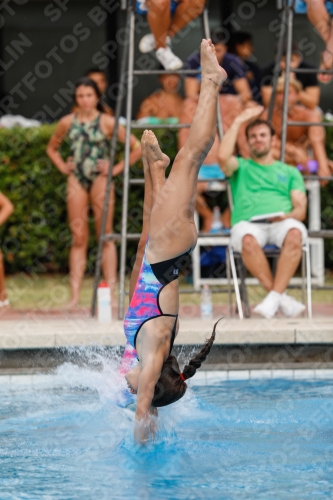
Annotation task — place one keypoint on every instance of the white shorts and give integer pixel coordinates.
(265, 234)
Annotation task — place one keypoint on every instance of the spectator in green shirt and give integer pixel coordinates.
(262, 186)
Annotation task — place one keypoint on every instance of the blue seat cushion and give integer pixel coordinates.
(214, 256)
(300, 6)
(271, 248)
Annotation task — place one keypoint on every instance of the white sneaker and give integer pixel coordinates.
(147, 43)
(269, 306)
(168, 59)
(290, 307)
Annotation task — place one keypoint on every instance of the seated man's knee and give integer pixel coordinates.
(249, 243)
(294, 238)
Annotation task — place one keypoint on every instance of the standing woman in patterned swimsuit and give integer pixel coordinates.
(89, 131)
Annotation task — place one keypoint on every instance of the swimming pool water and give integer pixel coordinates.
(66, 438)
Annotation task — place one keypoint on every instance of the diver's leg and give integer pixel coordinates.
(150, 194)
(147, 205)
(172, 230)
(129, 358)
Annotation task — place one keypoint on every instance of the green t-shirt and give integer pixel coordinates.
(262, 189)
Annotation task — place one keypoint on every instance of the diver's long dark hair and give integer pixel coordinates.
(87, 82)
(171, 385)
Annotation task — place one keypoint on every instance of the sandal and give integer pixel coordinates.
(326, 78)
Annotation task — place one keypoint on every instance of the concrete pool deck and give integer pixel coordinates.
(38, 331)
(38, 341)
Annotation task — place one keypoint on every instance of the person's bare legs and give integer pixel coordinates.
(186, 11)
(172, 229)
(109, 254)
(319, 17)
(290, 257)
(77, 208)
(159, 20)
(3, 294)
(256, 262)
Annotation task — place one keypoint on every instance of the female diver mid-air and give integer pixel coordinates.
(168, 234)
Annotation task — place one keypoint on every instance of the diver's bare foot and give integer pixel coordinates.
(209, 64)
(153, 151)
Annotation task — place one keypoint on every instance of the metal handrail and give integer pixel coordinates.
(142, 126)
(318, 177)
(289, 19)
(276, 70)
(167, 72)
(175, 126)
(322, 233)
(312, 124)
(129, 101)
(118, 236)
(142, 181)
(311, 70)
(313, 177)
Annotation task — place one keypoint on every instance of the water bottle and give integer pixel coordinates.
(206, 303)
(217, 226)
(104, 303)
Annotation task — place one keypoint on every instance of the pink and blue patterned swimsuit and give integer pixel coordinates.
(145, 305)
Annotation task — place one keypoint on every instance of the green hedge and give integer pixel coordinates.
(37, 236)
